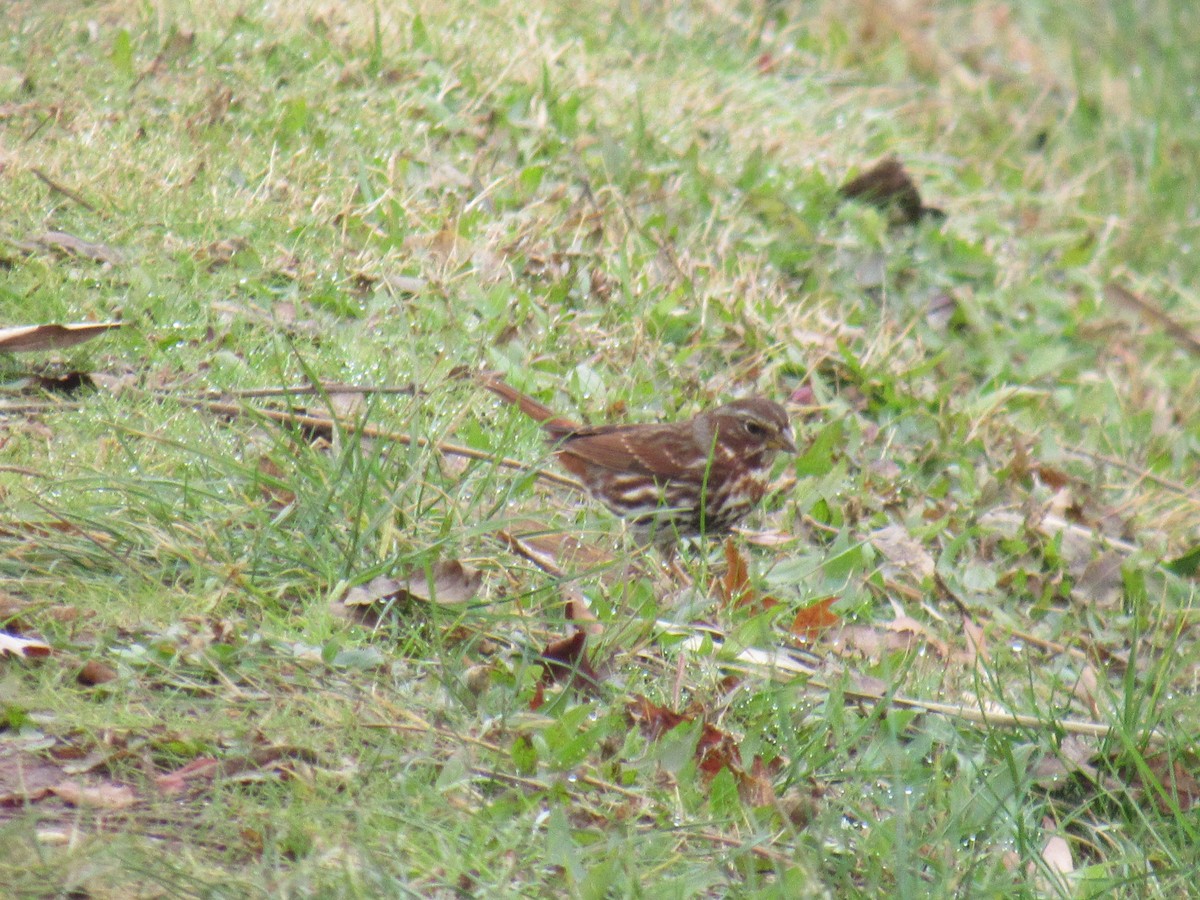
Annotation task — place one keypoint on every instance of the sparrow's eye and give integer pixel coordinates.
(754, 429)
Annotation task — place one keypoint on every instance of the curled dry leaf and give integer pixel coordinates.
(566, 662)
(100, 796)
(201, 769)
(19, 646)
(22, 338)
(447, 582)
(64, 244)
(578, 611)
(555, 552)
(903, 552)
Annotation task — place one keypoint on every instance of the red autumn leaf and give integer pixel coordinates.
(653, 720)
(538, 698)
(734, 585)
(815, 618)
(717, 750)
(734, 589)
(566, 663)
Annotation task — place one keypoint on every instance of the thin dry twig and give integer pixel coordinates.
(62, 189)
(1121, 296)
(781, 665)
(1141, 473)
(327, 426)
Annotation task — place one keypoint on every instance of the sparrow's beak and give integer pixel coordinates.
(783, 441)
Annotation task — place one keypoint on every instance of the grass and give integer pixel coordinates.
(631, 211)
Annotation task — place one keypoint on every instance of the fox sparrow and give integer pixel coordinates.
(679, 479)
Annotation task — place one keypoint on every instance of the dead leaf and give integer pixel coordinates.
(201, 769)
(814, 618)
(18, 646)
(50, 337)
(1175, 780)
(1056, 854)
(272, 484)
(1074, 757)
(100, 796)
(95, 672)
(734, 588)
(976, 648)
(579, 612)
(556, 552)
(25, 777)
(653, 720)
(447, 582)
(64, 244)
(715, 749)
(887, 186)
(221, 253)
(904, 625)
(757, 787)
(903, 552)
(566, 663)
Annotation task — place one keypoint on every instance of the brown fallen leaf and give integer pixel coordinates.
(100, 796)
(734, 589)
(272, 484)
(566, 663)
(907, 625)
(976, 648)
(557, 553)
(653, 719)
(94, 672)
(716, 749)
(446, 582)
(887, 186)
(175, 782)
(577, 610)
(814, 618)
(19, 646)
(903, 552)
(21, 338)
(871, 642)
(25, 777)
(221, 253)
(1056, 854)
(64, 244)
(1176, 781)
